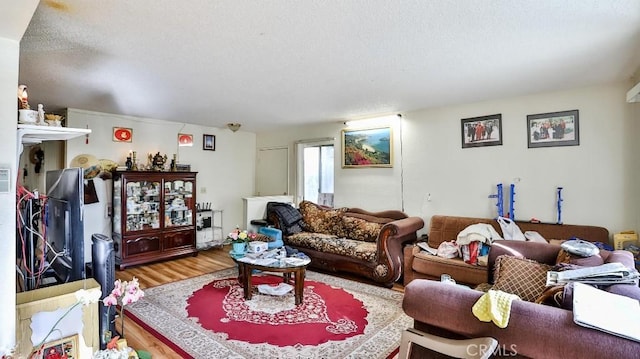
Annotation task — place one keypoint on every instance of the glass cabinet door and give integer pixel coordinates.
(143, 205)
(178, 198)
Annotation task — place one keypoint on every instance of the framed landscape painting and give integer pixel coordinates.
(553, 129)
(371, 147)
(482, 131)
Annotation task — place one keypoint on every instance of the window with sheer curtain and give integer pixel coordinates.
(318, 173)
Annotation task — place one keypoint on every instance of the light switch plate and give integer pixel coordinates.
(5, 180)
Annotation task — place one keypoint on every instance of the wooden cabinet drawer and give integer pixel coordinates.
(141, 245)
(178, 239)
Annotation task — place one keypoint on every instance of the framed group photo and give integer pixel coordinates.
(482, 131)
(371, 147)
(553, 129)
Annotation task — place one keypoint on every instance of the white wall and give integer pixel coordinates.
(14, 18)
(225, 175)
(598, 176)
(634, 115)
(8, 105)
(373, 189)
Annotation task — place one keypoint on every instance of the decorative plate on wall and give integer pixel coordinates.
(185, 139)
(122, 134)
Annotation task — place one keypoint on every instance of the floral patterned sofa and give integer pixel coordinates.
(350, 240)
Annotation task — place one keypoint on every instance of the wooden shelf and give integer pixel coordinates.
(32, 134)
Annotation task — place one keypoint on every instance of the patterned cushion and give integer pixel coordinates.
(359, 229)
(319, 219)
(332, 244)
(522, 277)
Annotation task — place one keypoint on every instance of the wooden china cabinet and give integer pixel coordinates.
(153, 216)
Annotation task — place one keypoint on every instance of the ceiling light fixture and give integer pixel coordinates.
(234, 126)
(374, 121)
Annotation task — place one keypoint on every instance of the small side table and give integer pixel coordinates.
(287, 266)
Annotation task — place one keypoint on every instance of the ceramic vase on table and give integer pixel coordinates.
(239, 247)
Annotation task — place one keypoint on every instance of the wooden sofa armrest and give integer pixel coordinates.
(403, 227)
(393, 236)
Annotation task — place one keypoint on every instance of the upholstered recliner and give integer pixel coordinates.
(534, 330)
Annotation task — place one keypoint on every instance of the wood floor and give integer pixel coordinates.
(155, 274)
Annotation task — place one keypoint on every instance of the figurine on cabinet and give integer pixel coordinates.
(158, 162)
(174, 164)
(23, 98)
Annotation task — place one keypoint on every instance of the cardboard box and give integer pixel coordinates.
(48, 299)
(258, 246)
(622, 240)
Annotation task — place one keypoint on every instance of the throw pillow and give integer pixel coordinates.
(520, 276)
(319, 219)
(359, 229)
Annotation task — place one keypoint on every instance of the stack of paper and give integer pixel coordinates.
(606, 274)
(425, 247)
(608, 312)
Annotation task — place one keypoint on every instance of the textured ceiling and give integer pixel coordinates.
(267, 64)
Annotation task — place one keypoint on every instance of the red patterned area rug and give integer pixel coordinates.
(207, 317)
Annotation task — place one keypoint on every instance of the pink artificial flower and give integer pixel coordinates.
(110, 300)
(118, 288)
(134, 285)
(127, 299)
(133, 292)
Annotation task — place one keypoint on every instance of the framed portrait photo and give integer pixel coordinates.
(482, 131)
(371, 147)
(209, 142)
(553, 129)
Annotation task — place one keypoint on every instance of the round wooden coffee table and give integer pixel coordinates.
(286, 266)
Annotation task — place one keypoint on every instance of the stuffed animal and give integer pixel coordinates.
(23, 98)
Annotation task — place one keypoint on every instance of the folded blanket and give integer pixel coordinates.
(481, 232)
(495, 306)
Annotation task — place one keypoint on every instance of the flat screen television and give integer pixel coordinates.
(64, 222)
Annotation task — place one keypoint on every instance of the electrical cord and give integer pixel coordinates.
(28, 227)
